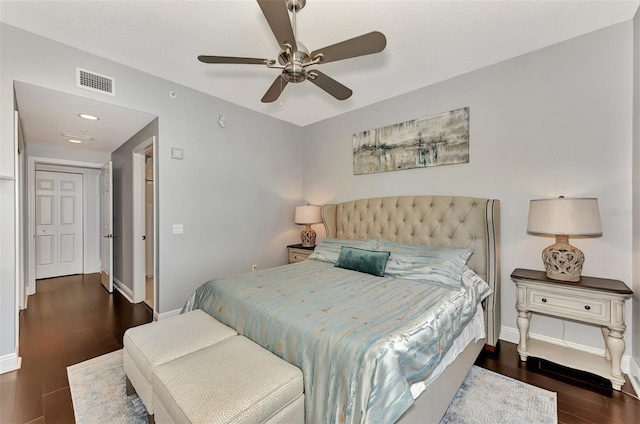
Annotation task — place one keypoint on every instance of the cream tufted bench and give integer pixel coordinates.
(149, 346)
(233, 381)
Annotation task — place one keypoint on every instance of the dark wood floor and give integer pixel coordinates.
(575, 404)
(68, 320)
(72, 319)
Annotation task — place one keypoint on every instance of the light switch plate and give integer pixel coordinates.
(176, 153)
(178, 229)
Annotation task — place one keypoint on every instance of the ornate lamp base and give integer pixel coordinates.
(563, 261)
(308, 237)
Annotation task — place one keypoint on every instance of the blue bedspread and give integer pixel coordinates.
(360, 340)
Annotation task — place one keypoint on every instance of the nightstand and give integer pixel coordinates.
(298, 253)
(591, 300)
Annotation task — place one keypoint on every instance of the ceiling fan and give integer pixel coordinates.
(294, 58)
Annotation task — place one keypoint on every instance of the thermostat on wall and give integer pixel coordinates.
(176, 153)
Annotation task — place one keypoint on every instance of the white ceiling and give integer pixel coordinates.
(46, 114)
(427, 41)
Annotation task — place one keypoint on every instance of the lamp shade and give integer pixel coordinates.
(571, 217)
(308, 214)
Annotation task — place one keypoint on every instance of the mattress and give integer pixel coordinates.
(472, 332)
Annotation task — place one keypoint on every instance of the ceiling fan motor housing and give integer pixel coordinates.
(294, 63)
(294, 72)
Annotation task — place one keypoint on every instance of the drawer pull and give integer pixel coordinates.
(587, 307)
(544, 300)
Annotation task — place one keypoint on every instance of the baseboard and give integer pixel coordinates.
(634, 375)
(10, 362)
(158, 317)
(124, 290)
(512, 335)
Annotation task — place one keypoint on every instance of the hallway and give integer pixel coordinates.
(69, 320)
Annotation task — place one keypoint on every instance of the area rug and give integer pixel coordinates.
(488, 397)
(99, 392)
(99, 396)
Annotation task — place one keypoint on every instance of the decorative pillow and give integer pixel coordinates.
(369, 261)
(328, 249)
(440, 265)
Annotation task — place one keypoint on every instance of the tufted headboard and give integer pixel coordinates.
(447, 221)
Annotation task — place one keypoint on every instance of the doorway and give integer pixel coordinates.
(39, 207)
(148, 234)
(145, 276)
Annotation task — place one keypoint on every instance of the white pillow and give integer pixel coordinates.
(328, 250)
(440, 265)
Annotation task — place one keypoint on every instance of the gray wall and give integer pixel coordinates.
(557, 121)
(636, 193)
(235, 190)
(8, 230)
(122, 204)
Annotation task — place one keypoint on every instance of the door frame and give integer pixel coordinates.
(21, 297)
(139, 211)
(31, 210)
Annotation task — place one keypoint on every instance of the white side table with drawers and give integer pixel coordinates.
(591, 300)
(298, 253)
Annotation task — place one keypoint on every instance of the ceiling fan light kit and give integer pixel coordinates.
(294, 57)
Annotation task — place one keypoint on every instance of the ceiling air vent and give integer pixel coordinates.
(95, 82)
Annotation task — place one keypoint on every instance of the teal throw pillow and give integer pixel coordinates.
(369, 261)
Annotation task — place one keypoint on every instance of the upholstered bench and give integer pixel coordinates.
(234, 381)
(151, 345)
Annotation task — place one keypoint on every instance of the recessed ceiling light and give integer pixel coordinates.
(71, 140)
(89, 117)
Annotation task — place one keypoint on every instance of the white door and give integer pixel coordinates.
(70, 248)
(59, 247)
(106, 223)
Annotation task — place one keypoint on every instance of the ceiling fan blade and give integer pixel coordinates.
(277, 15)
(329, 85)
(230, 59)
(275, 90)
(373, 42)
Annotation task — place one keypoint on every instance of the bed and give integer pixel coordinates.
(367, 345)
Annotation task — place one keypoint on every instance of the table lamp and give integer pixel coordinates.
(563, 218)
(308, 215)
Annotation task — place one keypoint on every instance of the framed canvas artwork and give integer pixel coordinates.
(441, 139)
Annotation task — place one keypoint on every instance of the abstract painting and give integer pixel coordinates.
(441, 139)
